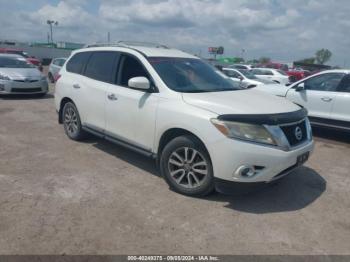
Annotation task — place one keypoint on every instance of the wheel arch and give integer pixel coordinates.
(64, 101)
(172, 133)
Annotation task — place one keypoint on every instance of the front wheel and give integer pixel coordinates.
(71, 122)
(186, 167)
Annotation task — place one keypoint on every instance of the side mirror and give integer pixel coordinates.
(300, 87)
(241, 78)
(139, 82)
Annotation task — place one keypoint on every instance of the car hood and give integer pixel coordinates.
(19, 73)
(248, 101)
(275, 89)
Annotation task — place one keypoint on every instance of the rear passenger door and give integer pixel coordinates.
(99, 75)
(341, 107)
(131, 113)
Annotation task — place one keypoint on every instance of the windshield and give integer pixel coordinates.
(10, 62)
(189, 75)
(248, 74)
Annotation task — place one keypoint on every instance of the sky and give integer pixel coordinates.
(285, 30)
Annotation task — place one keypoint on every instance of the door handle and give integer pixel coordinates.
(112, 97)
(326, 99)
(76, 86)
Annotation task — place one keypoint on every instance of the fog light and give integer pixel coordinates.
(246, 171)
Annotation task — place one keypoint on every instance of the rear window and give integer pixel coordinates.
(101, 66)
(77, 62)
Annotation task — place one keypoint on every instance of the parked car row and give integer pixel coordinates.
(207, 129)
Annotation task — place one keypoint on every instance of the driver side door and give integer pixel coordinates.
(317, 94)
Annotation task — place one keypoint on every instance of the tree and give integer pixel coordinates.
(265, 60)
(322, 56)
(310, 60)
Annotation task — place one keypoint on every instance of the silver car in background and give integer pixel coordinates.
(55, 67)
(17, 76)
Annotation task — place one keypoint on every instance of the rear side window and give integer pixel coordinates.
(345, 84)
(102, 66)
(61, 62)
(77, 63)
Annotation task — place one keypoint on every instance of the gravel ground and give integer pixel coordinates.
(63, 197)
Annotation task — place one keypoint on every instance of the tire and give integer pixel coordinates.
(51, 78)
(71, 122)
(191, 176)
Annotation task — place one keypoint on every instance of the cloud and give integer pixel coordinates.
(284, 30)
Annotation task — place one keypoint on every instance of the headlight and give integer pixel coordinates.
(43, 78)
(243, 131)
(4, 77)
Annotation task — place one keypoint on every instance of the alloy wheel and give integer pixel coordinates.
(187, 167)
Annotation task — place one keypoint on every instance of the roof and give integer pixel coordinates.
(155, 50)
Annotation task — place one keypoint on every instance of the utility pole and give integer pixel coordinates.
(51, 23)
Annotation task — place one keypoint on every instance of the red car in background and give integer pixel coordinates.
(294, 74)
(31, 60)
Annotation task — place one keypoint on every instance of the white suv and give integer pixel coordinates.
(205, 132)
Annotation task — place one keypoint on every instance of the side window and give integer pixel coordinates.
(256, 72)
(77, 63)
(101, 66)
(130, 67)
(325, 82)
(268, 73)
(345, 84)
(231, 73)
(61, 62)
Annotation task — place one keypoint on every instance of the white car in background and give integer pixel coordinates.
(245, 78)
(325, 95)
(55, 67)
(241, 66)
(274, 75)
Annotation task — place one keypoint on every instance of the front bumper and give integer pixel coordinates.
(228, 155)
(18, 87)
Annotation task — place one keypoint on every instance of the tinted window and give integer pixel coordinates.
(101, 66)
(325, 82)
(248, 74)
(55, 62)
(189, 75)
(61, 62)
(77, 63)
(131, 67)
(345, 84)
(231, 73)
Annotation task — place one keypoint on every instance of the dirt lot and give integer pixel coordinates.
(58, 196)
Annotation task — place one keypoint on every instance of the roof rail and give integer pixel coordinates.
(127, 44)
(144, 44)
